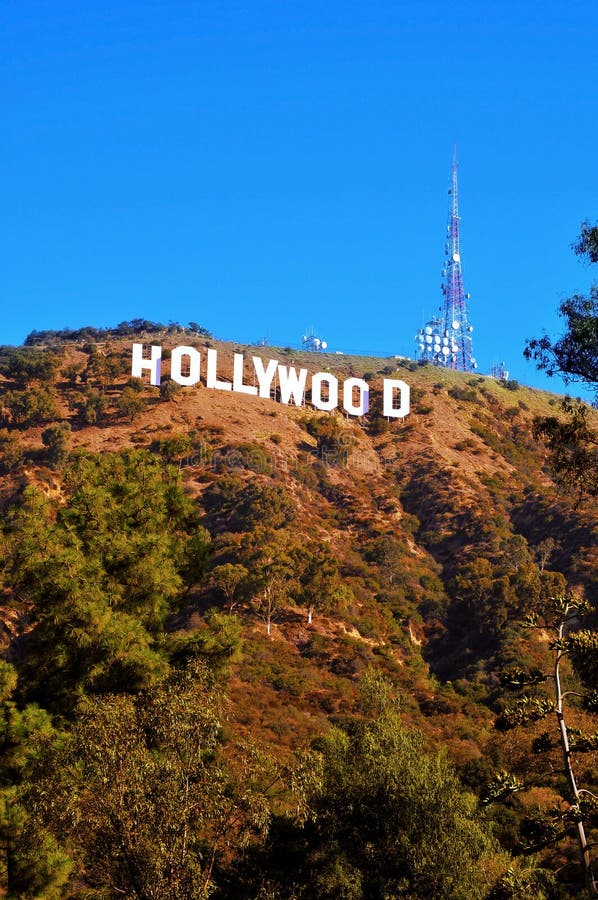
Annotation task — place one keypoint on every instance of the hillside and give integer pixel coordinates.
(331, 547)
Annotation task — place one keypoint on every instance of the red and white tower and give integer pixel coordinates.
(446, 339)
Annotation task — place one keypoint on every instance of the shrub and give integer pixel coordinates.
(253, 457)
(130, 403)
(169, 389)
(263, 504)
(30, 407)
(249, 504)
(56, 438)
(335, 442)
(467, 394)
(305, 475)
(136, 384)
(174, 448)
(71, 373)
(25, 365)
(90, 406)
(11, 451)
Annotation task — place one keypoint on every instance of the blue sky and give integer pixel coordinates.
(267, 167)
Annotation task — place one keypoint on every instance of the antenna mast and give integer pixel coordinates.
(446, 339)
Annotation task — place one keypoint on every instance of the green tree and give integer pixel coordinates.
(272, 572)
(250, 504)
(145, 792)
(103, 367)
(575, 354)
(385, 819)
(544, 550)
(230, 579)
(102, 573)
(11, 451)
(573, 443)
(56, 439)
(317, 573)
(387, 552)
(587, 242)
(71, 373)
(573, 448)
(220, 498)
(32, 862)
(260, 504)
(555, 616)
(130, 403)
(217, 641)
(34, 406)
(199, 330)
(91, 405)
(176, 447)
(28, 366)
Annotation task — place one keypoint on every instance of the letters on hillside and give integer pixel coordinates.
(272, 379)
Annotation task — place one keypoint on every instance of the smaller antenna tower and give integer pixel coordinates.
(446, 339)
(499, 372)
(312, 343)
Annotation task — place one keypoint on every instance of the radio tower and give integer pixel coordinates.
(446, 339)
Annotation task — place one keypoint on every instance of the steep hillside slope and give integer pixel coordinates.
(334, 543)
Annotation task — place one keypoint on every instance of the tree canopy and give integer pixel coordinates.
(575, 354)
(573, 443)
(103, 573)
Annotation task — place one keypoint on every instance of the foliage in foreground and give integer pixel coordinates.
(573, 443)
(386, 819)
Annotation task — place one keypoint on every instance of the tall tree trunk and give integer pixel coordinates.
(584, 848)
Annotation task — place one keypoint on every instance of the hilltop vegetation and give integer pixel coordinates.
(254, 650)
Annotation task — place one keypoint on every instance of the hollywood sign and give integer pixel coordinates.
(288, 383)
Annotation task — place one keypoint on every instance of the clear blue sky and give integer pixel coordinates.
(265, 167)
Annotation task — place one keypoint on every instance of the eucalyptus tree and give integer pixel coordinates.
(563, 739)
